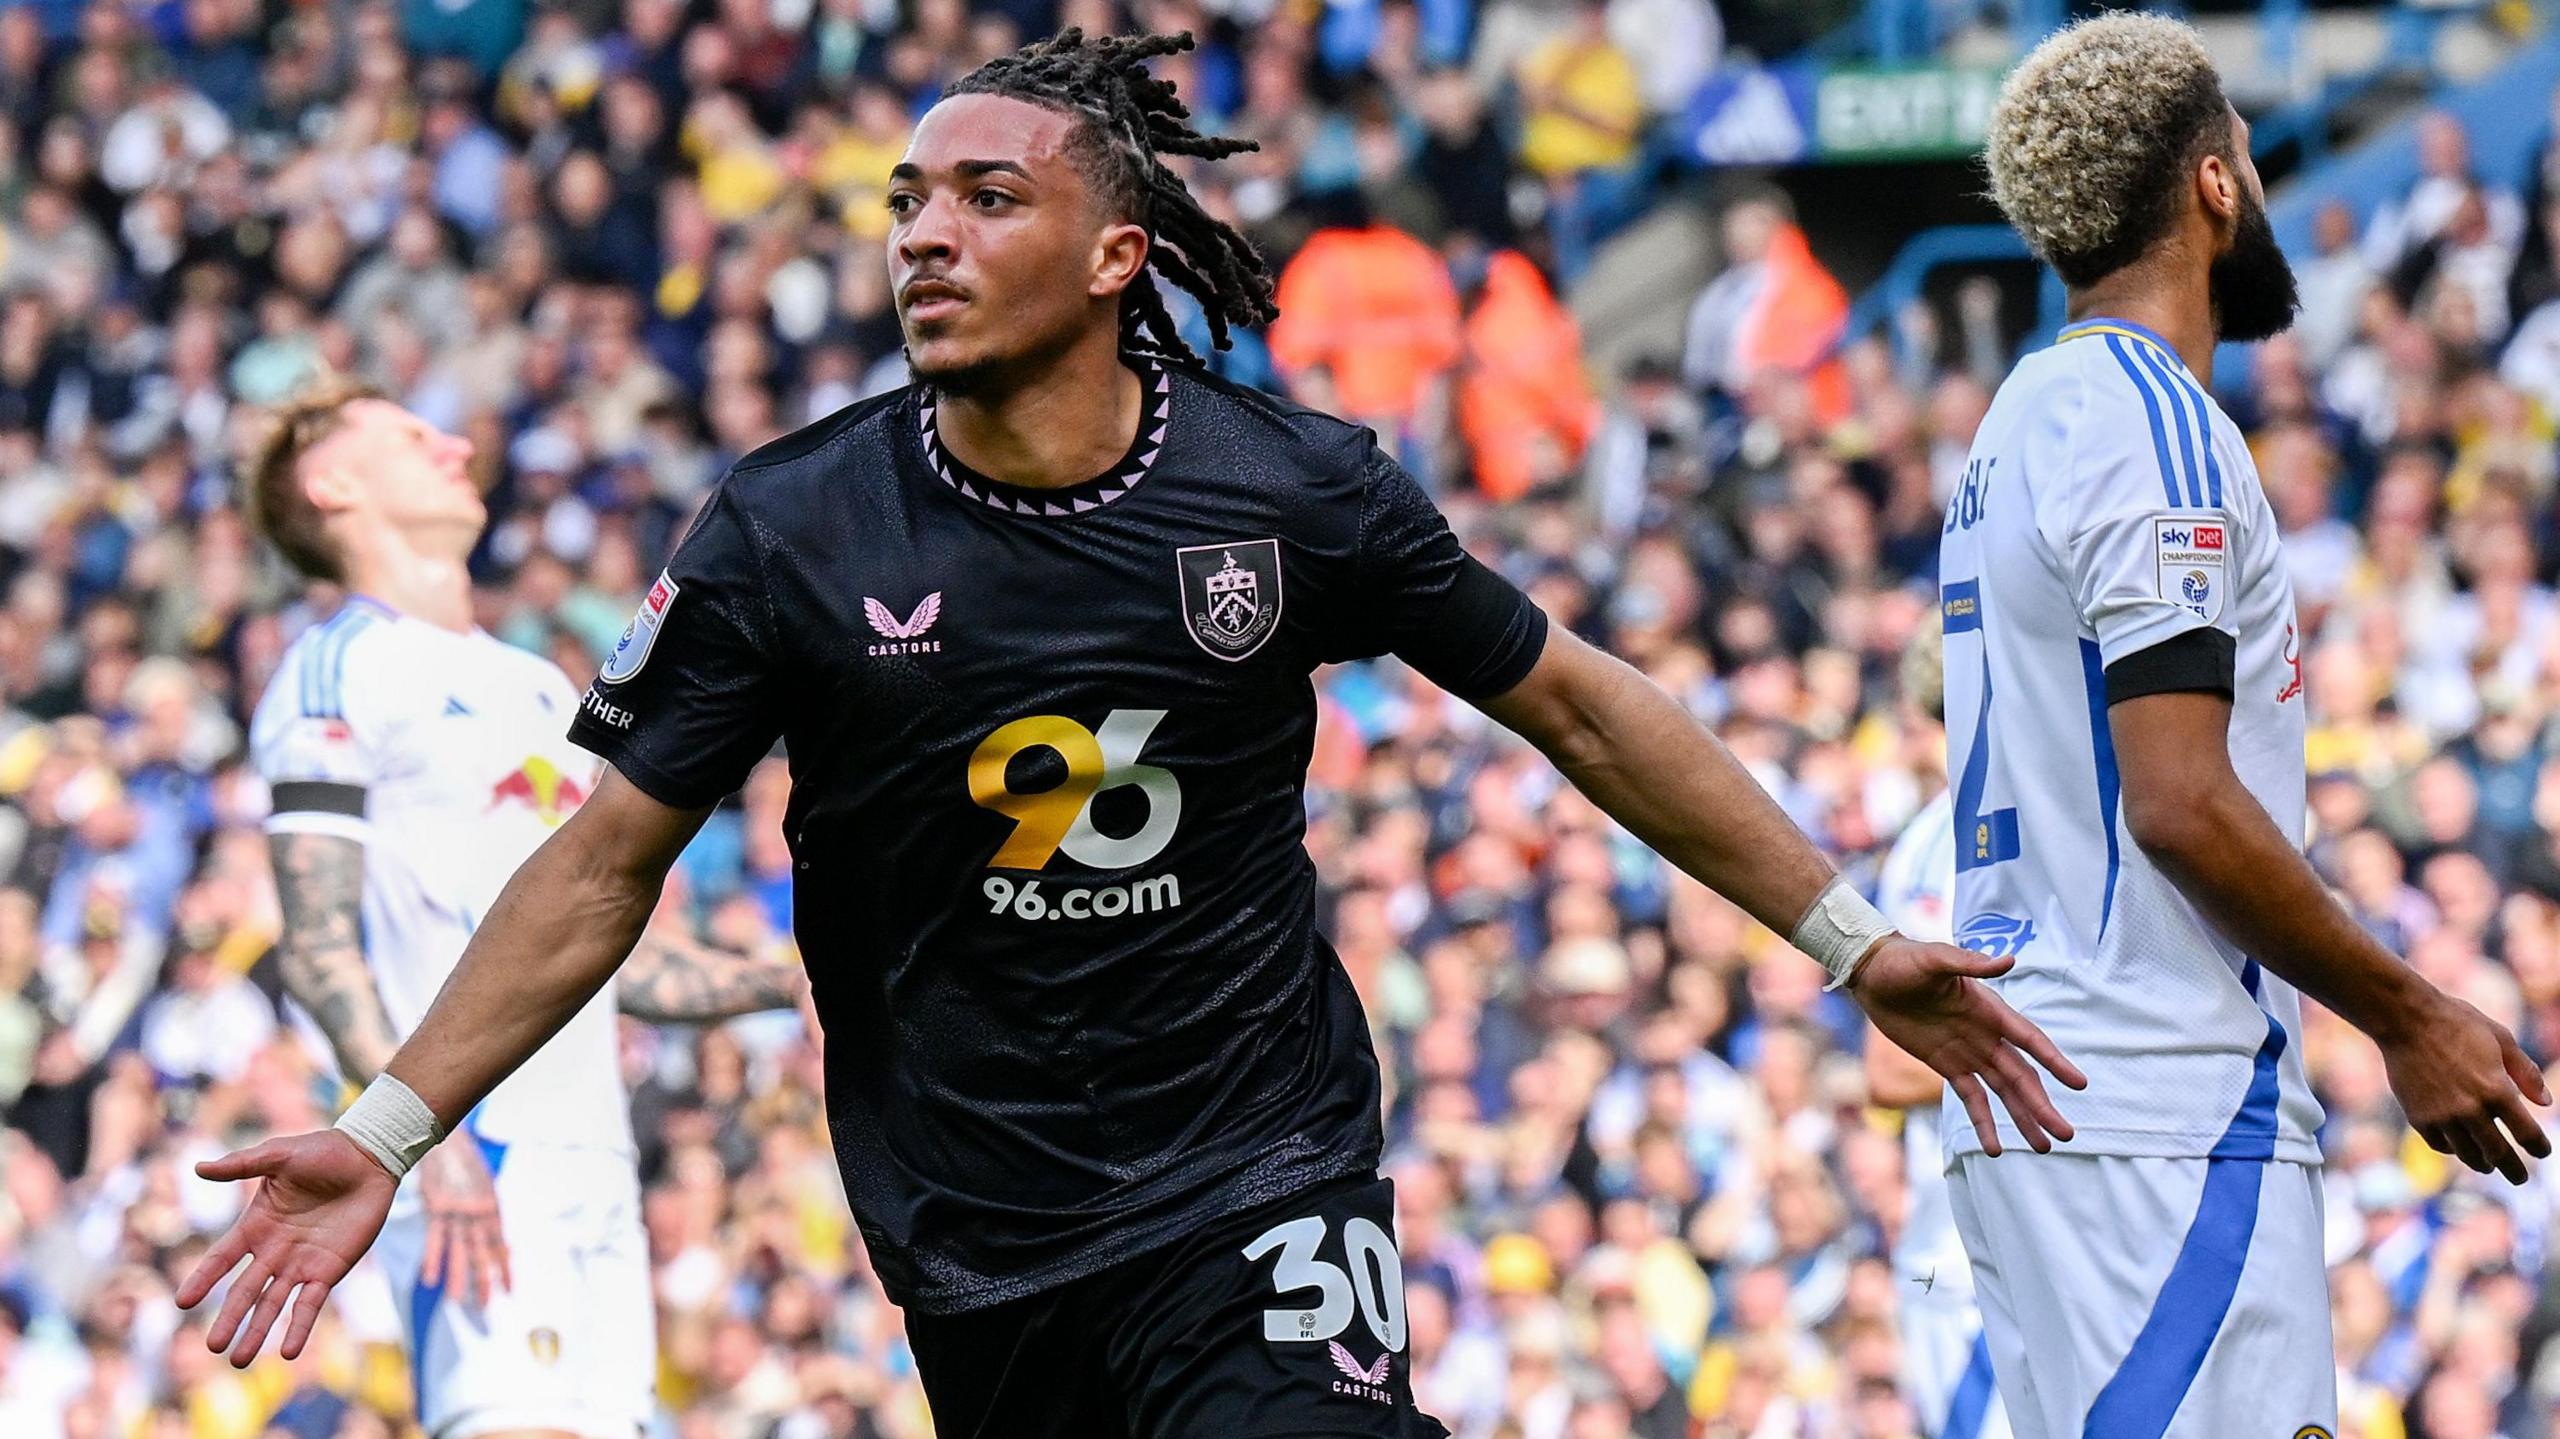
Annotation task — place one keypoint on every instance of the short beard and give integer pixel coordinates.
(988, 375)
(2251, 283)
(976, 377)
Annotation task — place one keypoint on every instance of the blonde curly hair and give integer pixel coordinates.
(2093, 135)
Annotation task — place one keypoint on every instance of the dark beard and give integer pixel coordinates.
(974, 378)
(2251, 283)
(990, 374)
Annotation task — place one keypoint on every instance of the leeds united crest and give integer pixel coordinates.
(1230, 595)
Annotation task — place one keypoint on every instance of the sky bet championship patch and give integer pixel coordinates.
(2193, 574)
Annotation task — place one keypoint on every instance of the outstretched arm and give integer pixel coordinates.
(320, 887)
(1641, 757)
(2457, 1072)
(552, 940)
(1663, 775)
(672, 978)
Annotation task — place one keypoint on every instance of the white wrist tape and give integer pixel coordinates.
(1839, 931)
(391, 1123)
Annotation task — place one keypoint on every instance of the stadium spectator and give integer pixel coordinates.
(1773, 311)
(1369, 318)
(2333, 282)
(2445, 183)
(1582, 132)
(1524, 409)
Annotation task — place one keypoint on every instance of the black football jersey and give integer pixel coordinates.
(1048, 750)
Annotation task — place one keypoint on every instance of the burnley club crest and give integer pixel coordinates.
(1230, 595)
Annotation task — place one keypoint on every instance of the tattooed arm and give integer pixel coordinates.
(320, 882)
(671, 979)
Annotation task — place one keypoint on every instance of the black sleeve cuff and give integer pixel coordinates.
(313, 796)
(1485, 639)
(2199, 661)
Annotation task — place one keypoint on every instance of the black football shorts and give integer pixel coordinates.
(1281, 1322)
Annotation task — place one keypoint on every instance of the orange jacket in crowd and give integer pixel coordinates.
(1523, 383)
(1376, 308)
(1796, 322)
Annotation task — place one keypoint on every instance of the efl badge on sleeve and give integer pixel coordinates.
(1230, 595)
(632, 650)
(2194, 572)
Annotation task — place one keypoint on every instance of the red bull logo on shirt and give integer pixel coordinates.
(538, 785)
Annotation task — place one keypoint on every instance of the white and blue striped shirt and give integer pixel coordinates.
(2108, 506)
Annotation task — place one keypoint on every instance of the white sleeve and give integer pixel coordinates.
(317, 738)
(1918, 877)
(2147, 533)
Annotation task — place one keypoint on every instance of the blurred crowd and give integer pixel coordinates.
(1641, 1189)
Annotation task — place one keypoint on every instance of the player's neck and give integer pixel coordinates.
(2180, 314)
(430, 587)
(1062, 426)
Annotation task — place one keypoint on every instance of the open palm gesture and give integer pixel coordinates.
(323, 1202)
(1930, 999)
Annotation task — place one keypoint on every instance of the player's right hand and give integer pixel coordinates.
(2458, 1073)
(323, 1202)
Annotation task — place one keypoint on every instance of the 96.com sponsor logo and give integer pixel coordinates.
(1059, 819)
(1029, 900)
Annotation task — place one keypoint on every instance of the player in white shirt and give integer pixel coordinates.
(413, 762)
(2125, 726)
(1946, 1358)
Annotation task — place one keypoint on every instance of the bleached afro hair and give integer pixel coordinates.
(2095, 134)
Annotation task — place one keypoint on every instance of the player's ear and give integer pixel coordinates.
(328, 483)
(2218, 180)
(1119, 252)
(2218, 192)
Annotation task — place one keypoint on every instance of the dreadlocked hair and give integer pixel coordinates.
(1130, 119)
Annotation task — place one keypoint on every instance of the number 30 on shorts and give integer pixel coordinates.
(1374, 1285)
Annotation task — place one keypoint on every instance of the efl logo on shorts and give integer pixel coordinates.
(2313, 1431)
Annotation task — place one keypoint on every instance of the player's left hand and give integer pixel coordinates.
(465, 1250)
(2459, 1075)
(1930, 999)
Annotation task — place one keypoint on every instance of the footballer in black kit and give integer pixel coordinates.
(1048, 753)
(1036, 635)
